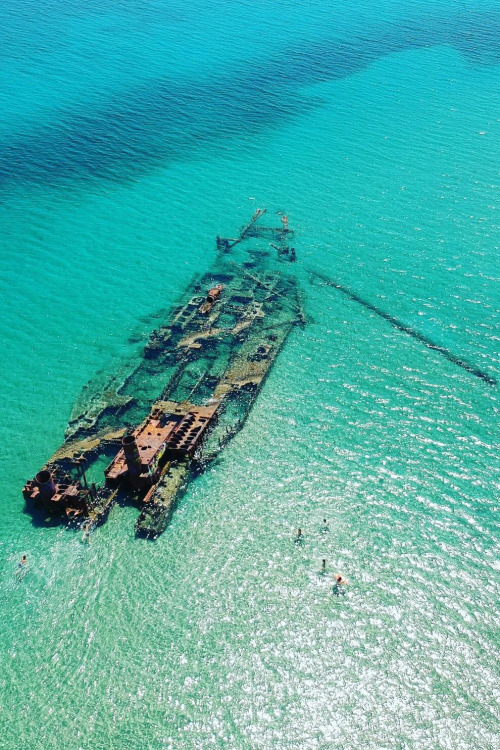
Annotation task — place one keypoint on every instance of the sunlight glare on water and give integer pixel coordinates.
(131, 136)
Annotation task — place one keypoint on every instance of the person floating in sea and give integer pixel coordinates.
(325, 526)
(300, 537)
(22, 567)
(323, 567)
(338, 582)
(86, 533)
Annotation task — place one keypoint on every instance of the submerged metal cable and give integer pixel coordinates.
(400, 326)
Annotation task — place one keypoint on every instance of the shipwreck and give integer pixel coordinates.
(143, 437)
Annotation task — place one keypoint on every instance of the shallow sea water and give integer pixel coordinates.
(132, 135)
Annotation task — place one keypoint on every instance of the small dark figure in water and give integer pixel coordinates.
(325, 526)
(300, 537)
(86, 533)
(323, 567)
(337, 585)
(22, 562)
(292, 255)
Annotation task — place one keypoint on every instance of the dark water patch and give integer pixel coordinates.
(400, 326)
(164, 122)
(167, 121)
(157, 315)
(137, 338)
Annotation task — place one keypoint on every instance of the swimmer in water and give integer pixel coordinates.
(326, 526)
(323, 567)
(22, 562)
(86, 533)
(337, 585)
(300, 537)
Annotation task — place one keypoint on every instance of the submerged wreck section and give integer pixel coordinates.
(141, 438)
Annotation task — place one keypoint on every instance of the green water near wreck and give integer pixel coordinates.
(222, 633)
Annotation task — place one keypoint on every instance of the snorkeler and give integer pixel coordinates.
(300, 537)
(323, 567)
(325, 526)
(337, 585)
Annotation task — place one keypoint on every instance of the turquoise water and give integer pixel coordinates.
(131, 135)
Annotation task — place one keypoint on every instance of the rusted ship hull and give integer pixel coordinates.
(172, 413)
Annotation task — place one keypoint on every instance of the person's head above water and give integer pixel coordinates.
(338, 577)
(299, 532)
(23, 557)
(324, 520)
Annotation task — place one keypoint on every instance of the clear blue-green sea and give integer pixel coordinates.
(131, 134)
